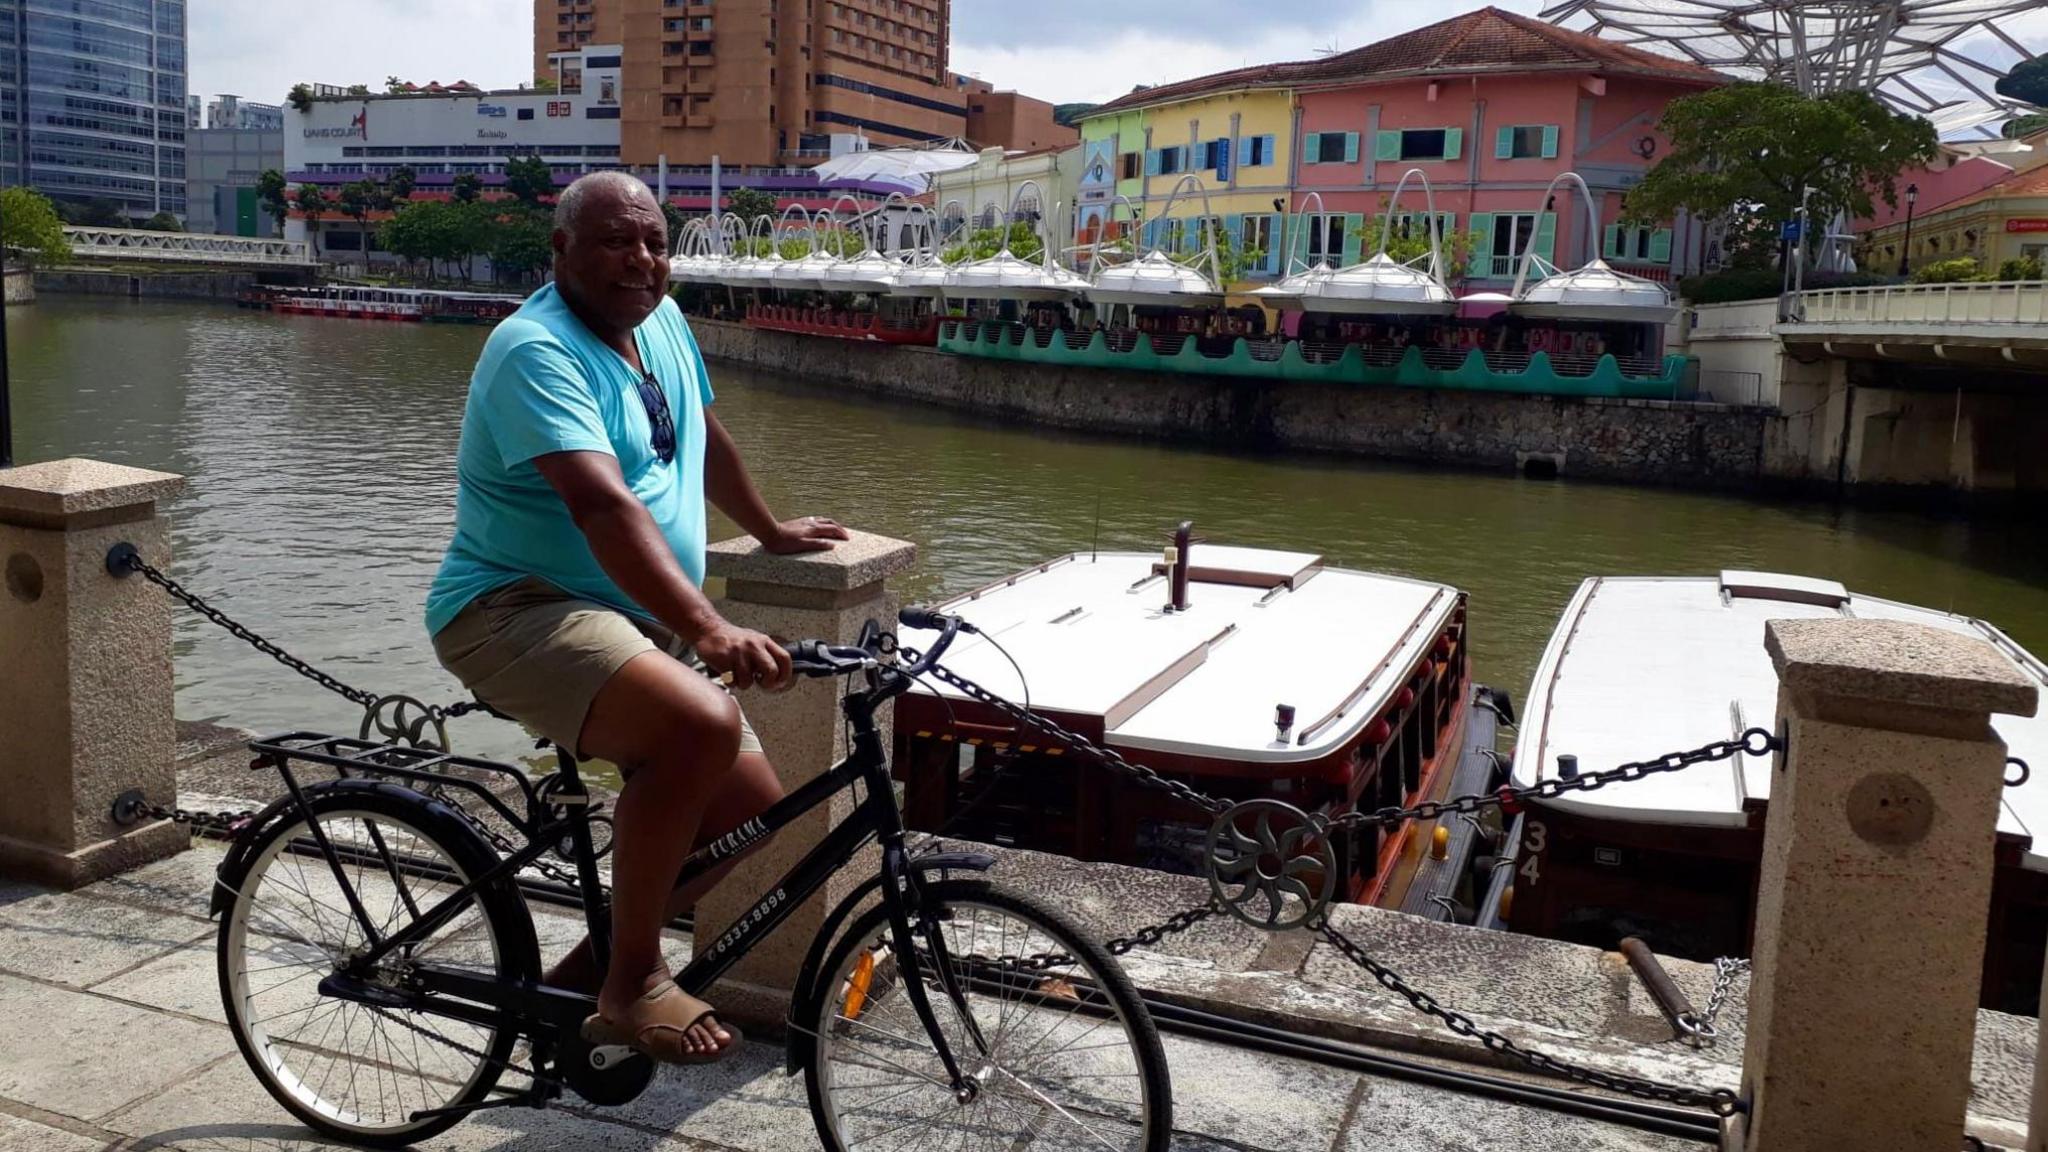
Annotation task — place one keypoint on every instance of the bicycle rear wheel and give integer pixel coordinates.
(1068, 1058)
(354, 1070)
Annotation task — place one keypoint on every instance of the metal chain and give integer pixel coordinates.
(1755, 742)
(222, 822)
(466, 1050)
(1722, 1101)
(1143, 938)
(1698, 1027)
(126, 558)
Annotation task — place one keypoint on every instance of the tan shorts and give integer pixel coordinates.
(540, 655)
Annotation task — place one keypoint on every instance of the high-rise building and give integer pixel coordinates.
(228, 111)
(92, 101)
(763, 82)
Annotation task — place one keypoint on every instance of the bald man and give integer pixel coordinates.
(570, 597)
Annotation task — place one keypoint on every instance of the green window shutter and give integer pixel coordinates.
(1482, 245)
(1151, 161)
(1312, 148)
(1351, 147)
(1660, 246)
(1610, 243)
(1245, 144)
(1550, 141)
(1546, 236)
(1354, 238)
(1266, 152)
(1386, 146)
(1504, 142)
(1454, 142)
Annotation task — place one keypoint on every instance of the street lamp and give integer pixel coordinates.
(1906, 249)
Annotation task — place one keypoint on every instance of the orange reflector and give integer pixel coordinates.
(924, 735)
(857, 986)
(1507, 902)
(1440, 843)
(1027, 747)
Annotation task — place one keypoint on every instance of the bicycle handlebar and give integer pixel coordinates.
(815, 658)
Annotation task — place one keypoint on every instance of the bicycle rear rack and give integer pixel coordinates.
(349, 754)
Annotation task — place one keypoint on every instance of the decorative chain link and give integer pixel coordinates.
(223, 822)
(1144, 937)
(1721, 1101)
(1698, 1027)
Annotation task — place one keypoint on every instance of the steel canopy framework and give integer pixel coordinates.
(1934, 58)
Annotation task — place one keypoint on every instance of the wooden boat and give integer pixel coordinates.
(411, 305)
(1643, 666)
(1245, 672)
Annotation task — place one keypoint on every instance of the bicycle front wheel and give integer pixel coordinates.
(1060, 1051)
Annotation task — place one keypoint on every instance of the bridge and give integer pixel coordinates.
(136, 244)
(2002, 325)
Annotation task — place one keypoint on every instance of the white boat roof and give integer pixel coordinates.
(1640, 666)
(1262, 628)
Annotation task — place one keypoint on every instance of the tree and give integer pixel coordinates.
(394, 86)
(398, 188)
(313, 203)
(300, 97)
(2023, 126)
(409, 234)
(359, 89)
(983, 243)
(748, 203)
(2027, 81)
(1411, 244)
(545, 84)
(529, 178)
(29, 222)
(468, 187)
(270, 188)
(475, 225)
(522, 243)
(1747, 152)
(162, 222)
(358, 199)
(98, 212)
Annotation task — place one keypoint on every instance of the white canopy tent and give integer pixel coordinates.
(911, 168)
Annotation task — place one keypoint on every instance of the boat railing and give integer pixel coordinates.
(1323, 351)
(1120, 339)
(1382, 355)
(1267, 351)
(1169, 343)
(1042, 337)
(1443, 359)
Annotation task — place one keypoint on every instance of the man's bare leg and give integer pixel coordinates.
(679, 733)
(746, 792)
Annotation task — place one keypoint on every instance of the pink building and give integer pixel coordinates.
(1490, 106)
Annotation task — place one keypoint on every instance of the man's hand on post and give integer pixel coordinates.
(753, 659)
(804, 534)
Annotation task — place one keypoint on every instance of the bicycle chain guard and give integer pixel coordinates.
(1271, 852)
(607, 1075)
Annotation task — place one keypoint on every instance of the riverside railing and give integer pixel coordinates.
(2006, 302)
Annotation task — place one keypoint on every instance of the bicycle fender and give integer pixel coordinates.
(234, 867)
(807, 995)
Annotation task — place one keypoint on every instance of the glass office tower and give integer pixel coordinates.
(92, 101)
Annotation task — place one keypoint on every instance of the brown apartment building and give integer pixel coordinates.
(769, 82)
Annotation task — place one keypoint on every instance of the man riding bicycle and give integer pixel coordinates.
(570, 597)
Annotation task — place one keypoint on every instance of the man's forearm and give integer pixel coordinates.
(727, 485)
(632, 551)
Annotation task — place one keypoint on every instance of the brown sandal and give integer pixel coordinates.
(661, 1019)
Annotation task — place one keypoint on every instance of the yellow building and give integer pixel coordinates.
(1237, 142)
(2006, 221)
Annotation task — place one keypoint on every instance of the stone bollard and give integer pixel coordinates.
(815, 595)
(85, 682)
(1875, 885)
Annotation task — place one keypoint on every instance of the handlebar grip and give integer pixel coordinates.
(918, 616)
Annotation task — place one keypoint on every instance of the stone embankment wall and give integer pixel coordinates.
(17, 284)
(222, 286)
(1641, 441)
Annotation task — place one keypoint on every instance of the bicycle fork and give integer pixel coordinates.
(905, 890)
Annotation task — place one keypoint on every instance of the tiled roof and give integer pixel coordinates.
(1488, 40)
(2030, 183)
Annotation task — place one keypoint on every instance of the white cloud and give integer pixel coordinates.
(260, 48)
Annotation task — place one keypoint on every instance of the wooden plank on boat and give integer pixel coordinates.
(1250, 567)
(1167, 677)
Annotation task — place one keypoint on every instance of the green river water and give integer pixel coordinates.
(320, 457)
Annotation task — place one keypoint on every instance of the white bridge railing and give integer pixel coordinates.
(184, 247)
(2005, 302)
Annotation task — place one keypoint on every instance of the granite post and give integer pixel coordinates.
(814, 595)
(1875, 883)
(85, 680)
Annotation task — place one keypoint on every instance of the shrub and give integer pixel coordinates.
(1960, 270)
(1764, 284)
(2024, 268)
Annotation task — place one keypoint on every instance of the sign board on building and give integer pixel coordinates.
(496, 110)
(2027, 224)
(559, 108)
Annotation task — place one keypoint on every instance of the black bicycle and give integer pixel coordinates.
(379, 964)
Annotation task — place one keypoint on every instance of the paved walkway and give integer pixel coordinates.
(111, 1036)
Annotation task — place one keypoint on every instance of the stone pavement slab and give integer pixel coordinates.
(82, 1056)
(81, 940)
(19, 1135)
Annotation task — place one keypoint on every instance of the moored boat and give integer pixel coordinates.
(1640, 666)
(1245, 672)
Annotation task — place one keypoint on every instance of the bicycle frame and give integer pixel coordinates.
(489, 1002)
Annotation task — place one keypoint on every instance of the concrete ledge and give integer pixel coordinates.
(81, 866)
(59, 490)
(864, 560)
(1894, 662)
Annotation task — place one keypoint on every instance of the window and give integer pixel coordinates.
(1423, 144)
(1168, 161)
(600, 113)
(1216, 154)
(1416, 224)
(1131, 165)
(526, 114)
(1257, 236)
(1330, 148)
(1326, 238)
(1254, 151)
(1636, 244)
(1525, 142)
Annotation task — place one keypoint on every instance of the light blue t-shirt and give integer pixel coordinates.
(545, 384)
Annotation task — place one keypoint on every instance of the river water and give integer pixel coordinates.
(320, 457)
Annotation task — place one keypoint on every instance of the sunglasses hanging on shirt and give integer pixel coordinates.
(663, 437)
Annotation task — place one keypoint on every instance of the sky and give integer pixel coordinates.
(1057, 50)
